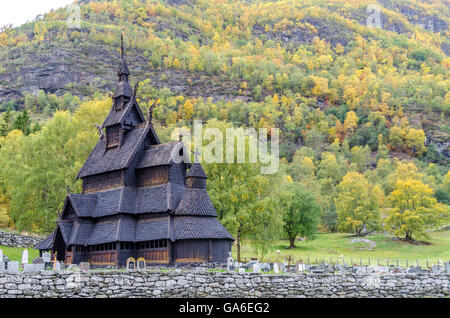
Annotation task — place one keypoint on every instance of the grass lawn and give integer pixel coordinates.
(326, 246)
(15, 253)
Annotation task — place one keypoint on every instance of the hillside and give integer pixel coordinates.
(231, 50)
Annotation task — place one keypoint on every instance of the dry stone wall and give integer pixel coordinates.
(17, 240)
(102, 284)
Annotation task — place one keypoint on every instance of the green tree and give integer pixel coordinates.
(23, 123)
(301, 213)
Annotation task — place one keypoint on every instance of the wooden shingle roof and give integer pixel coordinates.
(195, 227)
(47, 243)
(100, 160)
(196, 201)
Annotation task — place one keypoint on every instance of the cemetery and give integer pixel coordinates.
(47, 277)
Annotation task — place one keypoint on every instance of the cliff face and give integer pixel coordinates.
(82, 70)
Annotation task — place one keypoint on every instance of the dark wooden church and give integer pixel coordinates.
(139, 199)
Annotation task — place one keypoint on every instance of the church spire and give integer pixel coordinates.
(123, 91)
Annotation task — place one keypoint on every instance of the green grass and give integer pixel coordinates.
(326, 246)
(15, 253)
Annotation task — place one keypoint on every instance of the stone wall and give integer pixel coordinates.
(18, 240)
(148, 283)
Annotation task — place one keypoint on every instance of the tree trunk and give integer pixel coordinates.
(238, 246)
(408, 237)
(292, 241)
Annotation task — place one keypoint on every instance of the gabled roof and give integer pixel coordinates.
(47, 243)
(163, 154)
(100, 160)
(196, 201)
(194, 227)
(83, 204)
(123, 88)
(196, 171)
(66, 230)
(118, 116)
(80, 232)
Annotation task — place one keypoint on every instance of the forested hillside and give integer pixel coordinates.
(355, 104)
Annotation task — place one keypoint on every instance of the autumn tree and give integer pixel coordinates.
(357, 204)
(413, 209)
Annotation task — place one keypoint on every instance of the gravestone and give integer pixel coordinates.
(414, 270)
(447, 267)
(131, 264)
(33, 267)
(251, 264)
(436, 269)
(360, 270)
(275, 268)
(38, 260)
(230, 263)
(2, 266)
(24, 257)
(256, 268)
(47, 260)
(342, 270)
(46, 257)
(1, 255)
(73, 267)
(85, 266)
(317, 269)
(13, 266)
(300, 268)
(330, 268)
(241, 270)
(141, 264)
(283, 267)
(265, 267)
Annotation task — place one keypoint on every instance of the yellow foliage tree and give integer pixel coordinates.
(413, 209)
(357, 204)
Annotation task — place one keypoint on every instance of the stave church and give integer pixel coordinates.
(140, 198)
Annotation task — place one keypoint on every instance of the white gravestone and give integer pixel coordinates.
(275, 268)
(1, 255)
(230, 262)
(24, 257)
(57, 266)
(241, 270)
(256, 268)
(33, 267)
(46, 257)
